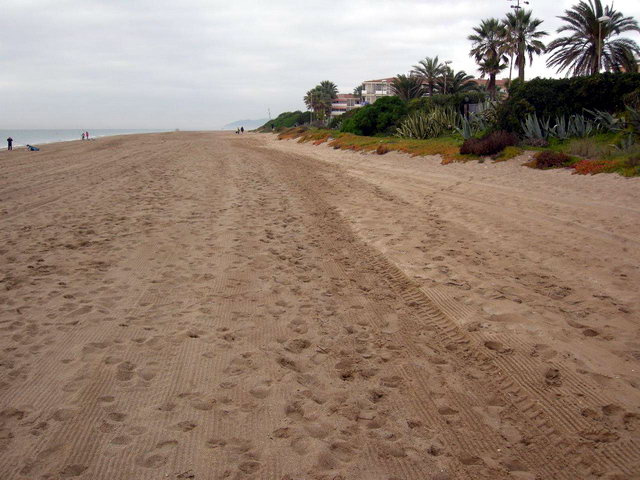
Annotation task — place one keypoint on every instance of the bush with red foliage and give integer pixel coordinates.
(591, 167)
(491, 144)
(550, 159)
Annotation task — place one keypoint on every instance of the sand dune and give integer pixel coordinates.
(215, 306)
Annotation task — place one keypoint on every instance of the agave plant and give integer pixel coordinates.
(471, 126)
(605, 121)
(533, 128)
(633, 120)
(625, 144)
(429, 124)
(561, 128)
(466, 130)
(580, 126)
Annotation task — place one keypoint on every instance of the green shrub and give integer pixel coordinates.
(336, 122)
(632, 100)
(383, 116)
(511, 112)
(550, 98)
(288, 120)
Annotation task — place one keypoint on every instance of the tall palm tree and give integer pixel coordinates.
(489, 49)
(313, 99)
(457, 82)
(407, 86)
(320, 98)
(329, 88)
(523, 38)
(590, 45)
(430, 69)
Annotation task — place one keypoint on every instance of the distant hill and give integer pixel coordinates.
(247, 124)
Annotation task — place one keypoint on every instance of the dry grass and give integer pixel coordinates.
(446, 147)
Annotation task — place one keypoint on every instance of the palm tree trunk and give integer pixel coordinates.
(521, 61)
(510, 67)
(492, 86)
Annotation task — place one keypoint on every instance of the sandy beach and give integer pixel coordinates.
(215, 306)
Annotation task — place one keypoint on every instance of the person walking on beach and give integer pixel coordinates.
(9, 143)
(241, 129)
(82, 135)
(86, 135)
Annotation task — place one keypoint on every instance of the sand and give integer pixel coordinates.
(215, 306)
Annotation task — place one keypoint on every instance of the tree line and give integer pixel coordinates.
(590, 43)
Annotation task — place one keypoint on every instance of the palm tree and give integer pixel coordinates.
(458, 82)
(329, 88)
(313, 100)
(358, 91)
(591, 46)
(430, 69)
(523, 38)
(320, 98)
(488, 49)
(630, 63)
(407, 86)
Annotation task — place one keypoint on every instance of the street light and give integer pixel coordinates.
(604, 18)
(446, 74)
(517, 6)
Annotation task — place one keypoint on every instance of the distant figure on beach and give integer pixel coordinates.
(238, 131)
(272, 126)
(241, 129)
(82, 135)
(87, 135)
(9, 143)
(32, 148)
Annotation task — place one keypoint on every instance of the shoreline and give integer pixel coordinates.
(17, 146)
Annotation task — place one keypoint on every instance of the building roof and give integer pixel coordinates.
(382, 80)
(502, 82)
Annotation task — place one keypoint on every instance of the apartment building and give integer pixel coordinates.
(344, 103)
(375, 89)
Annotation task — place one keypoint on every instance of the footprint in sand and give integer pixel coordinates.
(72, 471)
(185, 426)
(117, 416)
(157, 457)
(125, 371)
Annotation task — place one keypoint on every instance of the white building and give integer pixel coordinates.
(375, 89)
(344, 103)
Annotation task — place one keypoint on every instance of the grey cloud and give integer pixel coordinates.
(203, 63)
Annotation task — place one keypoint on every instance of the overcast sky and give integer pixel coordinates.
(199, 64)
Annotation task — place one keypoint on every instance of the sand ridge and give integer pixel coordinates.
(209, 306)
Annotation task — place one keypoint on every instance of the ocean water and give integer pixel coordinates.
(38, 137)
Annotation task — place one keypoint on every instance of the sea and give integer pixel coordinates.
(39, 137)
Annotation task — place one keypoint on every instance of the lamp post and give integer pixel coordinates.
(446, 74)
(604, 18)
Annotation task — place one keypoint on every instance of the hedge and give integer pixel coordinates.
(381, 117)
(288, 120)
(566, 96)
